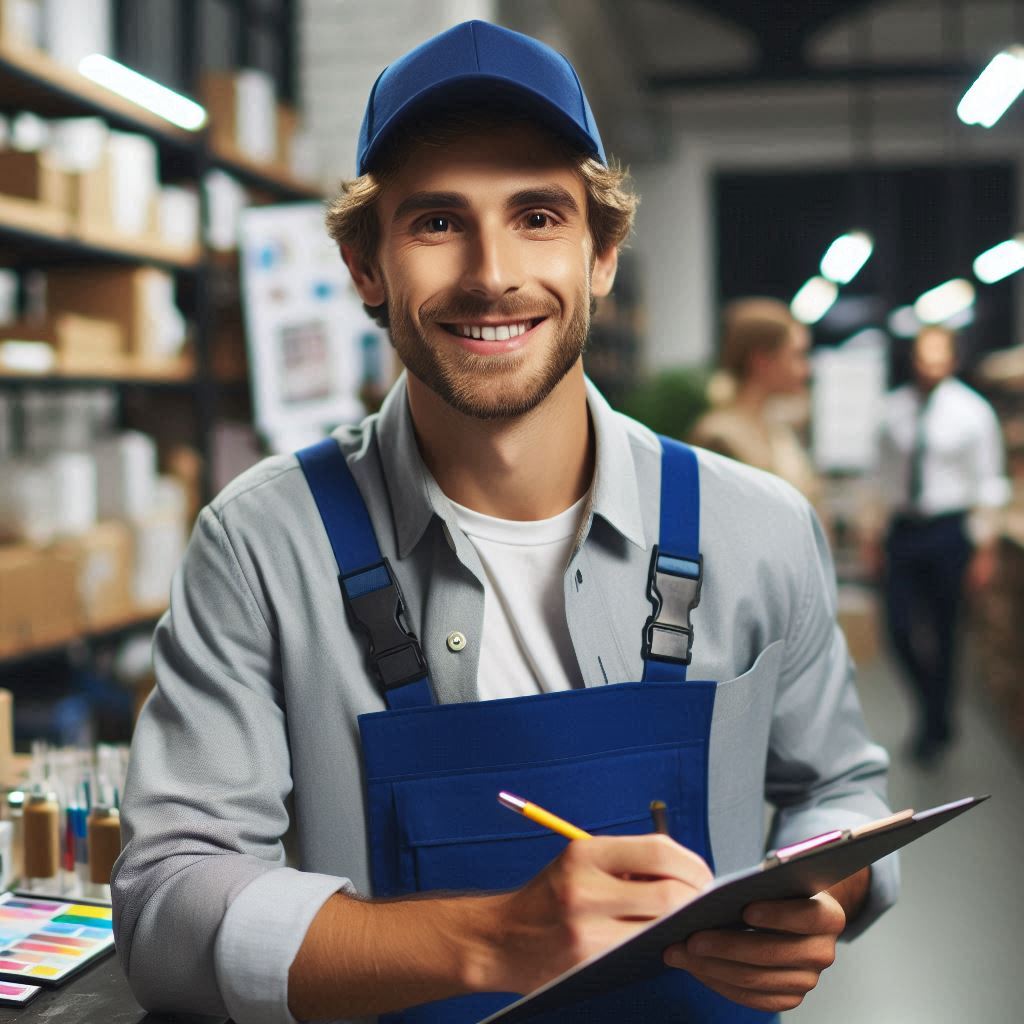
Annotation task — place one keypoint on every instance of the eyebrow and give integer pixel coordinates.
(546, 195)
(419, 201)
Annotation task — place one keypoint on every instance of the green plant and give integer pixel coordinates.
(671, 401)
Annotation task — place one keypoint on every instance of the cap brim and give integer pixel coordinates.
(478, 90)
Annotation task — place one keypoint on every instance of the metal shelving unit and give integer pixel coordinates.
(34, 237)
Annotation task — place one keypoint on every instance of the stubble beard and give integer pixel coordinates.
(489, 387)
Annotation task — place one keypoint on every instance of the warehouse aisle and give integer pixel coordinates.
(950, 951)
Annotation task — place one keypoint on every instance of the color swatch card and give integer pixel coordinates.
(13, 993)
(45, 941)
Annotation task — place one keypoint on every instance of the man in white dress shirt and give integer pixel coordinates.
(942, 481)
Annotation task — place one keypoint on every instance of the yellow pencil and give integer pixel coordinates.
(542, 817)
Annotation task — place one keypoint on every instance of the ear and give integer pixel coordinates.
(366, 278)
(603, 275)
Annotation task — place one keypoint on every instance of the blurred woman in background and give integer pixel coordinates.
(763, 358)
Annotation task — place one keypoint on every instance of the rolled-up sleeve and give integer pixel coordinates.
(823, 771)
(203, 902)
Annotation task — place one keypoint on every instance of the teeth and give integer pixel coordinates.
(500, 332)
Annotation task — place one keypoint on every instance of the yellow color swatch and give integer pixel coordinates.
(81, 910)
(46, 972)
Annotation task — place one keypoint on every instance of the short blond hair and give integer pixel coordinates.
(352, 215)
(750, 326)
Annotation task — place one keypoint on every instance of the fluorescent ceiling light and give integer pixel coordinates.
(960, 320)
(156, 98)
(939, 304)
(1000, 261)
(846, 255)
(903, 322)
(814, 300)
(995, 89)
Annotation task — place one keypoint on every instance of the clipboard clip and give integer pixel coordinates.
(791, 852)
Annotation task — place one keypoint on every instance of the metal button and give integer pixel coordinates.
(456, 641)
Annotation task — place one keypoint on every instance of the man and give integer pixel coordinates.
(941, 481)
(500, 533)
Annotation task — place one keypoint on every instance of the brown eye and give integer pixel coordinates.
(537, 220)
(436, 225)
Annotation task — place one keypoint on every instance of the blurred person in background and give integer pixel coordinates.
(932, 532)
(763, 359)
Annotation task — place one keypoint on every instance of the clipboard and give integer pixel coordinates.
(801, 870)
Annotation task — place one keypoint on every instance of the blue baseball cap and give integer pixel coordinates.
(480, 61)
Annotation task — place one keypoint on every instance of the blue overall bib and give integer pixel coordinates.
(596, 756)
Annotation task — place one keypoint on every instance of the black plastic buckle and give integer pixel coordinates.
(379, 611)
(674, 590)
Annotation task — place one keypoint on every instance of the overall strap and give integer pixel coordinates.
(676, 567)
(368, 585)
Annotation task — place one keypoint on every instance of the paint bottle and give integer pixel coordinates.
(104, 846)
(41, 840)
(6, 855)
(15, 805)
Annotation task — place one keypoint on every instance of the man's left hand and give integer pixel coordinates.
(774, 967)
(981, 569)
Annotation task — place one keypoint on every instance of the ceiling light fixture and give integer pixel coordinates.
(846, 255)
(1000, 261)
(153, 96)
(939, 304)
(814, 299)
(994, 89)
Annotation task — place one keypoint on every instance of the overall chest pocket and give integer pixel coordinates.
(455, 835)
(596, 758)
(740, 733)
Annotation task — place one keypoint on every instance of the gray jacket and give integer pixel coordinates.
(250, 738)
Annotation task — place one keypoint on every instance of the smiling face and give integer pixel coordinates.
(486, 265)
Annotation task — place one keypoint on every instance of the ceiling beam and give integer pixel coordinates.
(802, 73)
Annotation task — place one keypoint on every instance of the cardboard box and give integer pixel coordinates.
(118, 198)
(6, 737)
(159, 548)
(104, 563)
(83, 344)
(859, 619)
(90, 202)
(21, 23)
(36, 177)
(243, 114)
(287, 128)
(130, 297)
(126, 471)
(39, 604)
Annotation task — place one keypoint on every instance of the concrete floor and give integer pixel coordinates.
(951, 949)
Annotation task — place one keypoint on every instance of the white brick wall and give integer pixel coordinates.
(343, 47)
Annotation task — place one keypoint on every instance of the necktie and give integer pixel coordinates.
(916, 487)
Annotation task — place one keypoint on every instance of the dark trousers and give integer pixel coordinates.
(924, 582)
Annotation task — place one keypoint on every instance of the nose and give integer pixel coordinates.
(493, 263)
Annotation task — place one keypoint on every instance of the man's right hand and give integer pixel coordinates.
(872, 558)
(361, 958)
(597, 893)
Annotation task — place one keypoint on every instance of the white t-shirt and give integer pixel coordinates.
(526, 648)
